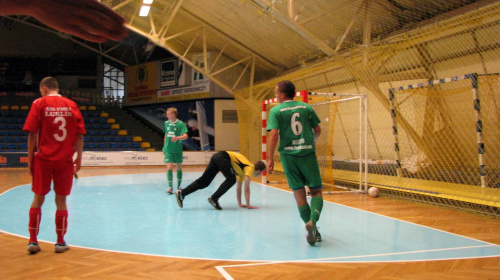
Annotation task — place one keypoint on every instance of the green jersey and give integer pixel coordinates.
(295, 121)
(173, 129)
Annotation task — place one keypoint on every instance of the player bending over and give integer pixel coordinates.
(235, 168)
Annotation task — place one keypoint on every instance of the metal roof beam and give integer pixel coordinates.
(295, 26)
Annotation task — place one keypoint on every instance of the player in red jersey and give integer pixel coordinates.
(55, 125)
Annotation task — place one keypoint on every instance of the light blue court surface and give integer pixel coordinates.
(132, 213)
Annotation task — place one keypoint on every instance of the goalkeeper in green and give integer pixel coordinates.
(297, 126)
(175, 132)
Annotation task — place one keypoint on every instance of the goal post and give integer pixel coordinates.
(342, 148)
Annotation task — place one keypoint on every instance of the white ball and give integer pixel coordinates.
(372, 192)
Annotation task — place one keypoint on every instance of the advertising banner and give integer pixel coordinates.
(143, 158)
(126, 158)
(13, 159)
(133, 158)
(141, 83)
(102, 158)
(199, 91)
(168, 73)
(190, 158)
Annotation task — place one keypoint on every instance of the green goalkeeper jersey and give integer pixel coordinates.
(295, 121)
(173, 129)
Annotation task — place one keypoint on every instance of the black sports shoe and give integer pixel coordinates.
(180, 198)
(318, 235)
(215, 204)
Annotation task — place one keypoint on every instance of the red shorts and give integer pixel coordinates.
(44, 172)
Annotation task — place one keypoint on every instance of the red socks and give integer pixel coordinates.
(61, 225)
(36, 217)
(34, 223)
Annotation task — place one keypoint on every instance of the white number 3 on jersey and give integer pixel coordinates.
(62, 128)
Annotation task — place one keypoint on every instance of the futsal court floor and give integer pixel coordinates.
(132, 214)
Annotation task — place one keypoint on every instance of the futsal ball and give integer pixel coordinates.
(372, 192)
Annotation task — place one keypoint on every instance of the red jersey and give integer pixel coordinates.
(57, 120)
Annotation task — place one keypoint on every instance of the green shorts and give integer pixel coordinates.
(173, 157)
(301, 171)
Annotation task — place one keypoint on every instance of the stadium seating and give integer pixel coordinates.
(125, 145)
(103, 132)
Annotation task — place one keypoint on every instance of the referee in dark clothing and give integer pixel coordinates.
(236, 169)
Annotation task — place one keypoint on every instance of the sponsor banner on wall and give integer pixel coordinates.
(143, 158)
(168, 73)
(199, 91)
(130, 158)
(13, 159)
(141, 83)
(133, 158)
(191, 158)
(102, 158)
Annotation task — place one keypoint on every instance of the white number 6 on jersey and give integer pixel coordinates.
(62, 128)
(296, 125)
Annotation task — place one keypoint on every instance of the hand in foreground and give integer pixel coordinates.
(87, 19)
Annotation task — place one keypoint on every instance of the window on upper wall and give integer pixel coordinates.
(113, 82)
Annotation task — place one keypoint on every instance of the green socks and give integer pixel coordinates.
(305, 213)
(170, 178)
(312, 213)
(179, 178)
(316, 207)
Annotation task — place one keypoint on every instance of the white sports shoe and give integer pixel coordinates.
(61, 248)
(33, 248)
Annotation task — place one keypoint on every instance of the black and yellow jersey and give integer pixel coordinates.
(241, 166)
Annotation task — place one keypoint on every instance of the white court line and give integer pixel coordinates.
(389, 217)
(224, 273)
(228, 276)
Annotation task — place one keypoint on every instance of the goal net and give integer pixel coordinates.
(342, 147)
(446, 134)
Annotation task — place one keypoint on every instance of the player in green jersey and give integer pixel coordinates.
(175, 132)
(297, 126)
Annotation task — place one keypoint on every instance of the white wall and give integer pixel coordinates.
(227, 135)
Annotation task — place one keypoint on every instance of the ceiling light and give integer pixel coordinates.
(147, 2)
(144, 11)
